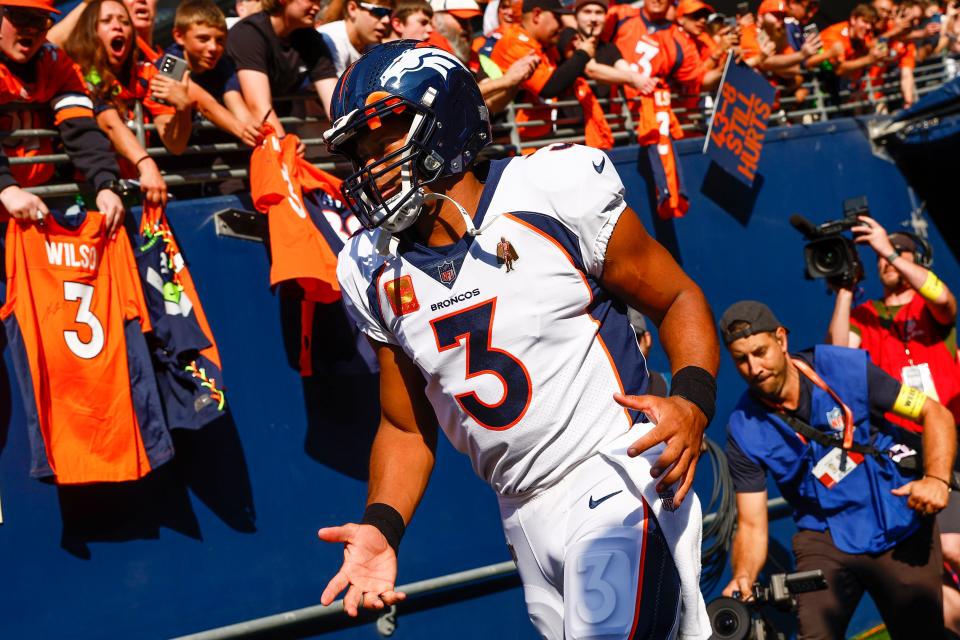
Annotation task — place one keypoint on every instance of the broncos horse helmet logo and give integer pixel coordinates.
(417, 59)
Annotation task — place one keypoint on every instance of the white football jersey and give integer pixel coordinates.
(520, 347)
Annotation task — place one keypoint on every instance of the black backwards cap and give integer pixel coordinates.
(756, 314)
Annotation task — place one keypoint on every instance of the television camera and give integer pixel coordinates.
(830, 254)
(734, 619)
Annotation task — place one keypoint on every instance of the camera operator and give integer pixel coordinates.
(911, 334)
(861, 519)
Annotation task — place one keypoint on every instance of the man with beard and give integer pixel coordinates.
(451, 26)
(814, 421)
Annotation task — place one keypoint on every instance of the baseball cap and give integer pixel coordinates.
(756, 314)
(463, 9)
(687, 7)
(902, 242)
(42, 5)
(580, 4)
(772, 6)
(553, 6)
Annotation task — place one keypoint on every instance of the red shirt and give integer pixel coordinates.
(896, 337)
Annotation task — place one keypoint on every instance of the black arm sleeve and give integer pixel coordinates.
(747, 475)
(6, 178)
(89, 150)
(565, 75)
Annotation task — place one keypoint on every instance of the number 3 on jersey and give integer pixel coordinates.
(89, 350)
(474, 326)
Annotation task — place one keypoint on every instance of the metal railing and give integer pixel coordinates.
(387, 621)
(820, 105)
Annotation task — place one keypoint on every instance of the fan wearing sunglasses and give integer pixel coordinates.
(35, 73)
(353, 27)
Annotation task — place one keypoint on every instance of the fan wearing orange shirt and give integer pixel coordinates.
(692, 17)
(850, 45)
(667, 51)
(902, 54)
(35, 73)
(537, 33)
(782, 64)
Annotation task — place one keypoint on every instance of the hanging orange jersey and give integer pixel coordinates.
(75, 317)
(52, 82)
(657, 128)
(298, 250)
(515, 43)
(597, 131)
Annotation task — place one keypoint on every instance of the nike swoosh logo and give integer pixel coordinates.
(599, 167)
(595, 503)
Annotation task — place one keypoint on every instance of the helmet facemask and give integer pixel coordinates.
(362, 189)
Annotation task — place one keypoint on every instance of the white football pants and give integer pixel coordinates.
(602, 555)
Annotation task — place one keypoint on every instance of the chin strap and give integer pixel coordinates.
(387, 243)
(471, 229)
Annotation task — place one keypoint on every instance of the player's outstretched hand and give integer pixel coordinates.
(680, 425)
(369, 570)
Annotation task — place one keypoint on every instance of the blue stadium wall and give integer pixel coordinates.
(227, 531)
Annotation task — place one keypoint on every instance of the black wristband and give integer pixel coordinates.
(387, 520)
(698, 386)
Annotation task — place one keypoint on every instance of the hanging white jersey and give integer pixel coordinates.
(520, 346)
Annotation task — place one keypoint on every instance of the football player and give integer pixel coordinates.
(534, 372)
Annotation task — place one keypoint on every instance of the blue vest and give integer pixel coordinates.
(859, 511)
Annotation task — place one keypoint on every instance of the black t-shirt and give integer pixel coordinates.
(289, 63)
(882, 392)
(607, 54)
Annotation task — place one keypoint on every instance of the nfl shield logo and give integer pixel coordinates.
(448, 272)
(835, 418)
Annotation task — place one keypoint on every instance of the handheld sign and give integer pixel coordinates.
(735, 136)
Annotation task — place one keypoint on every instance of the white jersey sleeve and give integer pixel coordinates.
(582, 188)
(358, 266)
